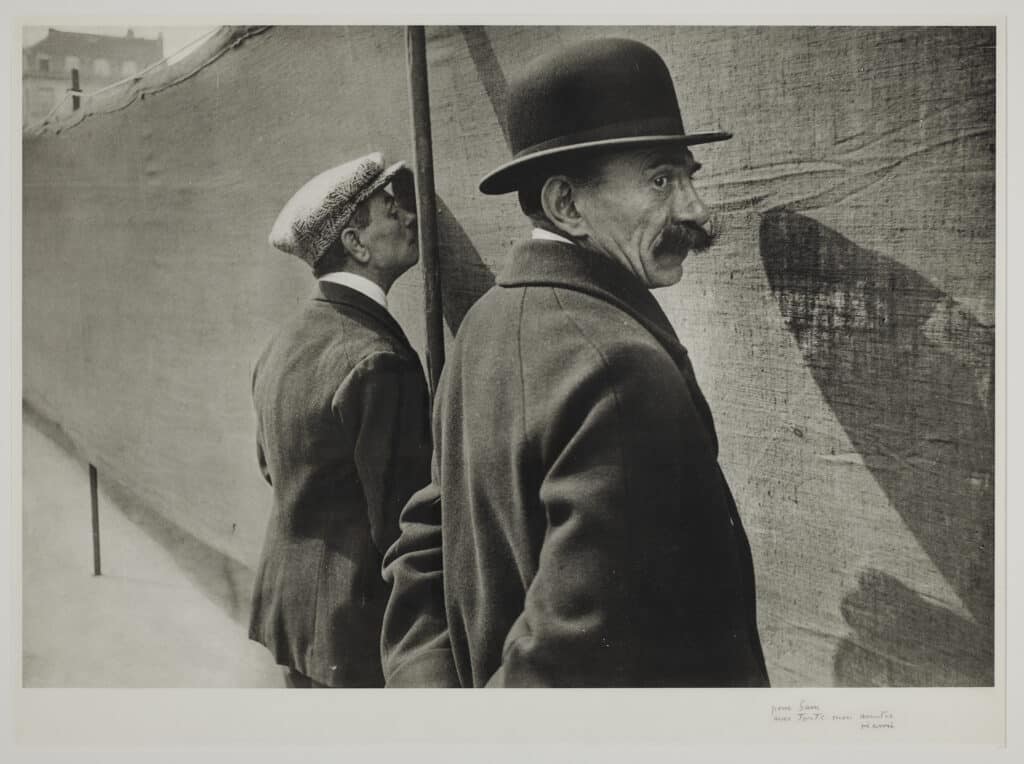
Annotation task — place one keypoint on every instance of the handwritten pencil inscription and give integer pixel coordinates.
(806, 712)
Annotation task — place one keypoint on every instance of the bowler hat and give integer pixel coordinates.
(604, 92)
(317, 213)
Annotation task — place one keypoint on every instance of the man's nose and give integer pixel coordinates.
(410, 218)
(688, 206)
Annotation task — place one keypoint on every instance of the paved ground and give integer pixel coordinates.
(143, 623)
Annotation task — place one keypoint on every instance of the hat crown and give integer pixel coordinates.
(598, 89)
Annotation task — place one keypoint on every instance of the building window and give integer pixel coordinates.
(72, 62)
(128, 68)
(43, 64)
(101, 67)
(45, 100)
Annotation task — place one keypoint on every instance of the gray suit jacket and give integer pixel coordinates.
(343, 438)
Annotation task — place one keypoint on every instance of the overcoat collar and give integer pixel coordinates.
(542, 262)
(343, 296)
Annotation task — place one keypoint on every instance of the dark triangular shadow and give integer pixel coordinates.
(464, 275)
(908, 375)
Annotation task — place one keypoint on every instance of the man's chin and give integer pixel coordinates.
(668, 273)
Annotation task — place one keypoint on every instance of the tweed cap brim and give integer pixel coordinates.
(312, 219)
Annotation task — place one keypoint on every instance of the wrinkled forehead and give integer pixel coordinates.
(643, 158)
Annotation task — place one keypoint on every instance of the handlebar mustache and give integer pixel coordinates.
(688, 237)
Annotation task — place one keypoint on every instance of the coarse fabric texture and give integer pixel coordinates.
(843, 329)
(314, 217)
(343, 439)
(587, 534)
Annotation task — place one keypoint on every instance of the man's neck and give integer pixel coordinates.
(547, 234)
(359, 282)
(371, 274)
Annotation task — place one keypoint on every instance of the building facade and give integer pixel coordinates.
(101, 60)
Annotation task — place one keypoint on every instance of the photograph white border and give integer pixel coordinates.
(569, 724)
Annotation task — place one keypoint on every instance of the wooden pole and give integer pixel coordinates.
(94, 494)
(426, 203)
(75, 99)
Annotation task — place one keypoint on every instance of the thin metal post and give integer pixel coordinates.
(94, 494)
(426, 203)
(75, 99)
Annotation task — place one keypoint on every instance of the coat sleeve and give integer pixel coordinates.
(613, 483)
(415, 644)
(383, 403)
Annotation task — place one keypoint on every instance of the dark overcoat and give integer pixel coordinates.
(578, 530)
(343, 437)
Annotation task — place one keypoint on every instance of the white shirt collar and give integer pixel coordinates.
(361, 284)
(540, 233)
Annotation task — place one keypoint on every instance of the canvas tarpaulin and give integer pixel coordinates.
(843, 329)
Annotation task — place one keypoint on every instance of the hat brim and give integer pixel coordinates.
(506, 178)
(379, 182)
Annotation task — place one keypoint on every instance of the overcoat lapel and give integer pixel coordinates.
(344, 297)
(551, 263)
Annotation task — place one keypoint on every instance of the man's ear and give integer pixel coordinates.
(558, 200)
(354, 246)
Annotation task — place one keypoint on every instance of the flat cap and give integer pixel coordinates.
(316, 214)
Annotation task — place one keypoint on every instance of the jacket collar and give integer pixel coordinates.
(346, 297)
(360, 284)
(543, 262)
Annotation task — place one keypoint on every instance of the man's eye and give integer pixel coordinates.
(660, 181)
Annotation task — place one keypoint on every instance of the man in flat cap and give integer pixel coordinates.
(578, 530)
(342, 427)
